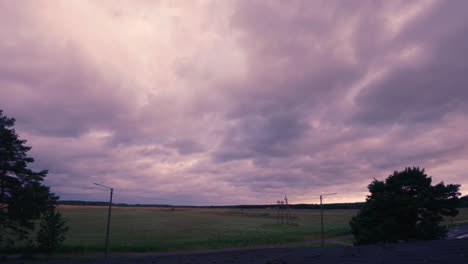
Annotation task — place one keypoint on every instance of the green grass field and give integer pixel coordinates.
(156, 229)
(162, 229)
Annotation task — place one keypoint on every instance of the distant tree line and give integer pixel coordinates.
(95, 203)
(463, 203)
(329, 206)
(261, 206)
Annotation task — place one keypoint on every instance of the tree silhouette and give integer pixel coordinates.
(404, 207)
(52, 231)
(23, 198)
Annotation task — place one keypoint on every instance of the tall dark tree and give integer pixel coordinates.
(23, 197)
(405, 207)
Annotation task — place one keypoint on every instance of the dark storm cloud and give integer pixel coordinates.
(257, 136)
(237, 100)
(429, 90)
(186, 146)
(290, 77)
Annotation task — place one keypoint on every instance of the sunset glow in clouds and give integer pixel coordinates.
(236, 102)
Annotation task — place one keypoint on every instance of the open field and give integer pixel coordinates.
(161, 229)
(143, 229)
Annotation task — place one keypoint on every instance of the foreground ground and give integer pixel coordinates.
(442, 251)
(184, 229)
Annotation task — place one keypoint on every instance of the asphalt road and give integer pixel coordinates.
(458, 232)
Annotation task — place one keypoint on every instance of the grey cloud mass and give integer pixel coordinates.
(231, 102)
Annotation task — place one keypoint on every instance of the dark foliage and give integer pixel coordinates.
(464, 201)
(23, 198)
(52, 231)
(405, 207)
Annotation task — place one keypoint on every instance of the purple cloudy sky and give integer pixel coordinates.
(231, 102)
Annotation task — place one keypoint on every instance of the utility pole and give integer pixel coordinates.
(282, 211)
(287, 209)
(108, 216)
(321, 213)
(321, 216)
(278, 218)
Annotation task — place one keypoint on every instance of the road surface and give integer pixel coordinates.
(458, 232)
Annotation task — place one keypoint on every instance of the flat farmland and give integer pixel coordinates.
(150, 229)
(162, 229)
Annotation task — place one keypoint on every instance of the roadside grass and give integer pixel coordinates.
(313, 245)
(347, 240)
(459, 220)
(457, 224)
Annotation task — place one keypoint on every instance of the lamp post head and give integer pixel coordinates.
(103, 186)
(328, 194)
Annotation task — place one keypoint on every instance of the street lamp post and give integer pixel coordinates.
(108, 215)
(321, 214)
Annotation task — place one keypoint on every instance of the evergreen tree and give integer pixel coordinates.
(23, 198)
(405, 207)
(52, 231)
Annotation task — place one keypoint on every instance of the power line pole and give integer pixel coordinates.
(321, 216)
(321, 213)
(287, 209)
(278, 216)
(282, 212)
(108, 215)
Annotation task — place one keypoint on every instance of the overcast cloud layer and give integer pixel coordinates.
(235, 102)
